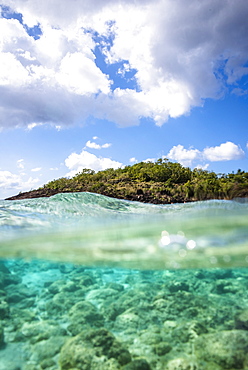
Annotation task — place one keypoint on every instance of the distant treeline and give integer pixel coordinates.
(159, 182)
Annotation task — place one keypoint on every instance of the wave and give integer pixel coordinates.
(93, 229)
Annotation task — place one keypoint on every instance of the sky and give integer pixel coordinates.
(104, 84)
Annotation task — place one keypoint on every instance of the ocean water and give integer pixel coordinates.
(91, 282)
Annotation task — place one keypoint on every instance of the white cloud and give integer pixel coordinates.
(32, 125)
(150, 160)
(182, 155)
(125, 68)
(37, 169)
(55, 79)
(8, 180)
(85, 160)
(133, 160)
(202, 167)
(94, 145)
(106, 145)
(79, 74)
(20, 164)
(225, 152)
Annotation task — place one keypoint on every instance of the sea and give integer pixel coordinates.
(92, 282)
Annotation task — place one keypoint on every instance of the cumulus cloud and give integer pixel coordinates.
(183, 156)
(225, 152)
(202, 167)
(180, 55)
(85, 160)
(93, 145)
(9, 180)
(133, 160)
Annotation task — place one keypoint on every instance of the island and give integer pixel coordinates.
(160, 182)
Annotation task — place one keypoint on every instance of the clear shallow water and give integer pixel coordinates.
(90, 282)
(95, 230)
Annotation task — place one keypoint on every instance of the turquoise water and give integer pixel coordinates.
(90, 282)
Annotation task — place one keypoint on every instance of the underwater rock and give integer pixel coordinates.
(148, 337)
(19, 292)
(81, 351)
(3, 268)
(241, 321)
(135, 298)
(228, 349)
(4, 310)
(53, 309)
(56, 287)
(111, 311)
(101, 294)
(8, 279)
(84, 314)
(224, 286)
(1, 335)
(84, 279)
(41, 330)
(130, 310)
(181, 364)
(223, 273)
(1, 280)
(115, 286)
(127, 320)
(170, 325)
(170, 320)
(162, 348)
(47, 363)
(67, 300)
(178, 286)
(26, 303)
(201, 274)
(47, 349)
(138, 364)
(62, 302)
(70, 287)
(18, 318)
(66, 268)
(160, 304)
(12, 357)
(2, 294)
(22, 314)
(15, 297)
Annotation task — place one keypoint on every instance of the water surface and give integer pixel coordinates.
(90, 282)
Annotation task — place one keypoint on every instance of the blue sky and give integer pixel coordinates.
(99, 84)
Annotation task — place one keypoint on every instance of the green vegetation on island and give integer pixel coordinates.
(159, 182)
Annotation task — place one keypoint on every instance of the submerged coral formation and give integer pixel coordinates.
(66, 317)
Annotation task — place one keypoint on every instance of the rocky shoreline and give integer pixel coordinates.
(39, 193)
(140, 196)
(61, 316)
